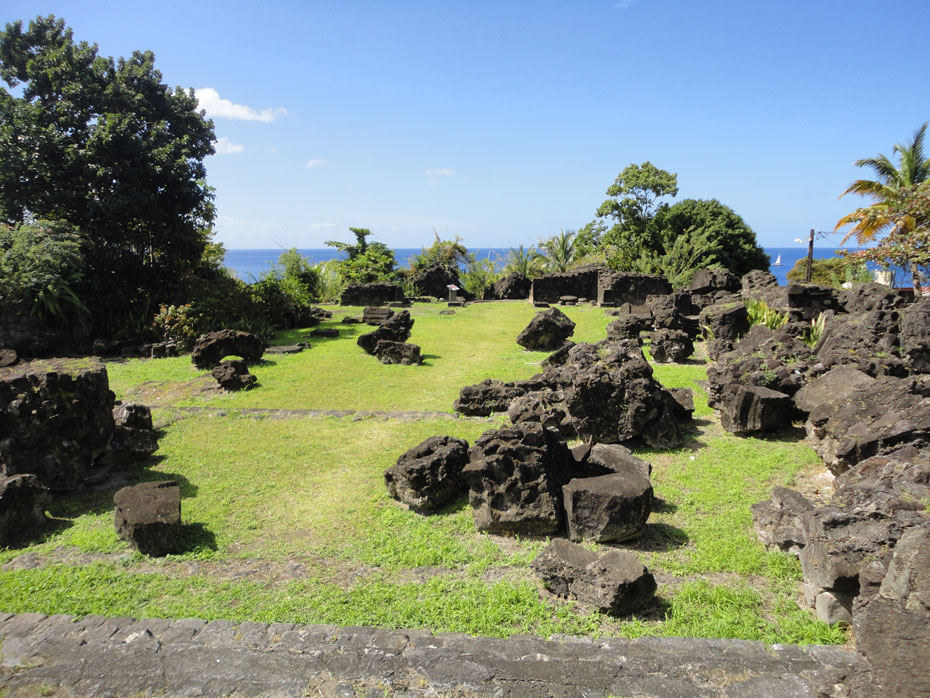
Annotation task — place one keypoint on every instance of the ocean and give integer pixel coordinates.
(249, 265)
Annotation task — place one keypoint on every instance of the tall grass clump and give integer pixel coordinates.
(760, 313)
(330, 282)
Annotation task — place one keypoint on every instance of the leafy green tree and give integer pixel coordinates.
(832, 271)
(523, 261)
(892, 191)
(557, 253)
(725, 238)
(478, 276)
(367, 261)
(108, 148)
(635, 200)
(450, 253)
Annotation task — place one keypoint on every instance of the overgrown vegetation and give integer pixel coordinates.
(287, 517)
(760, 313)
(832, 271)
(40, 267)
(115, 155)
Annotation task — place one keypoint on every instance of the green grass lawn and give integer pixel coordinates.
(287, 517)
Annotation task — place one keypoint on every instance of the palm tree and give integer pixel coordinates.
(558, 252)
(522, 261)
(892, 185)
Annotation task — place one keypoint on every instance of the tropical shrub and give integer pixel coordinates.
(40, 267)
(760, 313)
(176, 323)
(478, 276)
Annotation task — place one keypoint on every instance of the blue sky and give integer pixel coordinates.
(503, 122)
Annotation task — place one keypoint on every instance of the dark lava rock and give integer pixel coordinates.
(515, 476)
(213, 347)
(286, 349)
(670, 346)
(488, 396)
(22, 508)
(836, 384)
(161, 350)
(866, 298)
(233, 375)
(394, 329)
(710, 280)
(514, 286)
(8, 357)
(447, 312)
(614, 582)
(612, 397)
(770, 358)
(867, 341)
(628, 326)
(547, 331)
(608, 508)
(747, 409)
(874, 420)
(848, 548)
(726, 320)
(755, 280)
(377, 293)
(559, 356)
(430, 474)
(133, 436)
(546, 407)
(616, 288)
(915, 336)
(778, 521)
(435, 279)
(674, 311)
(893, 631)
(616, 458)
(581, 282)
(389, 352)
(55, 419)
(350, 320)
(376, 315)
(806, 301)
(148, 517)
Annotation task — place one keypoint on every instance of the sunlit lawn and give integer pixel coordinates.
(287, 518)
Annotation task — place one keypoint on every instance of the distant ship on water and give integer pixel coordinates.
(777, 262)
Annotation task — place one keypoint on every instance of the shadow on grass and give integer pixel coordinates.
(659, 537)
(663, 506)
(657, 610)
(196, 536)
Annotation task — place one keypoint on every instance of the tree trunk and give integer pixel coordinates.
(915, 274)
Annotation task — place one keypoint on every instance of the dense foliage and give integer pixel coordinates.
(105, 146)
(635, 230)
(366, 261)
(833, 271)
(40, 265)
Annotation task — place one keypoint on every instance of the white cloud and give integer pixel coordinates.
(440, 172)
(224, 146)
(215, 106)
(318, 162)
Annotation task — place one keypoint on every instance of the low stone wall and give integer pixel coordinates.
(96, 656)
(31, 336)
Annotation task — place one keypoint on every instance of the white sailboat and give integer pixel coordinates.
(777, 261)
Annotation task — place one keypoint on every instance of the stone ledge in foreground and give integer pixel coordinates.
(95, 656)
